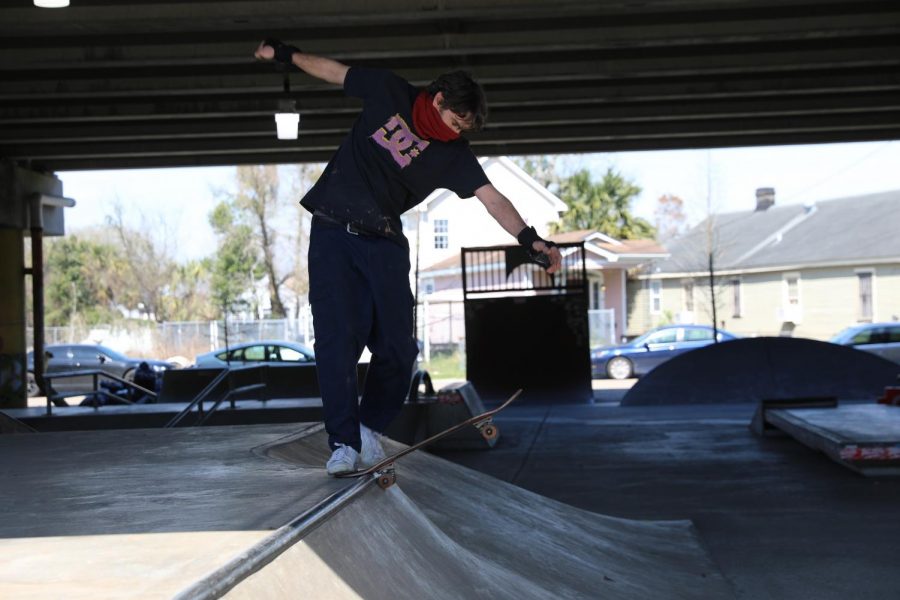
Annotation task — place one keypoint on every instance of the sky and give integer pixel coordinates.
(725, 179)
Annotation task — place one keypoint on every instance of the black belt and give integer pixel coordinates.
(350, 227)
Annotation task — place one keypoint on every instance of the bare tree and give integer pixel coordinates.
(298, 282)
(669, 218)
(148, 266)
(258, 195)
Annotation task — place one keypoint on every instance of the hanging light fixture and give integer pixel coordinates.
(287, 119)
(51, 3)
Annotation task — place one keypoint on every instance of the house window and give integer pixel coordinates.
(429, 287)
(688, 288)
(864, 280)
(736, 297)
(598, 293)
(441, 233)
(792, 289)
(655, 297)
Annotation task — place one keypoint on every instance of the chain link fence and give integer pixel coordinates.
(182, 340)
(602, 327)
(441, 329)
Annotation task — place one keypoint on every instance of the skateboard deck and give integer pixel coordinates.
(384, 469)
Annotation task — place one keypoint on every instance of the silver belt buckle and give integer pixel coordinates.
(350, 231)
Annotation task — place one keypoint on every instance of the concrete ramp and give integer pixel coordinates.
(382, 546)
(447, 532)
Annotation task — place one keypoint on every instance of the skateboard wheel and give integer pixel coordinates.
(386, 480)
(490, 432)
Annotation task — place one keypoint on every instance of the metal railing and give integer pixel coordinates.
(226, 377)
(58, 399)
(508, 271)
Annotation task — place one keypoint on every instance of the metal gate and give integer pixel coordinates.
(525, 328)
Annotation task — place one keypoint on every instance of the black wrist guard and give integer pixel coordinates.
(527, 237)
(284, 53)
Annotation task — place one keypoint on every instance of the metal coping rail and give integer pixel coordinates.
(228, 576)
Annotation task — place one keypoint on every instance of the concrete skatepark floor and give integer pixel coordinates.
(778, 520)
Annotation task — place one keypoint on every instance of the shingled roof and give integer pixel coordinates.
(613, 250)
(854, 229)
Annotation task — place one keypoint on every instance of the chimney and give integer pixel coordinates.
(765, 198)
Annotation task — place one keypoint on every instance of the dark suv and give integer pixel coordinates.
(87, 357)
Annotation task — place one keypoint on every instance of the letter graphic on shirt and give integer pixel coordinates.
(397, 138)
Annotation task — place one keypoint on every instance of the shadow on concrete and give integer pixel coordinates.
(750, 370)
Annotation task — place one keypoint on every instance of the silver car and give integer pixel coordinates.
(273, 352)
(882, 339)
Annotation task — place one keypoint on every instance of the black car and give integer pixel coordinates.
(87, 357)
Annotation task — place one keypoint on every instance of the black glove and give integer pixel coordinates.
(527, 237)
(283, 52)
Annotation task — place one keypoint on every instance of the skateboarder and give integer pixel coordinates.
(405, 143)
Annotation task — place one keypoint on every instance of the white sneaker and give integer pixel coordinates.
(372, 452)
(343, 460)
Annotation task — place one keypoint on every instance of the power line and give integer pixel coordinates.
(841, 171)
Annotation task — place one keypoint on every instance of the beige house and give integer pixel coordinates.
(807, 271)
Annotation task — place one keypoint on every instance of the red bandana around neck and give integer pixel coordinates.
(427, 120)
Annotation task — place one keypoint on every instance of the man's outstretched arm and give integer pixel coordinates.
(319, 67)
(509, 218)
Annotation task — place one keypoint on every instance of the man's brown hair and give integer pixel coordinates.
(462, 95)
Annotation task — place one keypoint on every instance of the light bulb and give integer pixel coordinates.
(287, 124)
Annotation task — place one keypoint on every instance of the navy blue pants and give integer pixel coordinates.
(360, 296)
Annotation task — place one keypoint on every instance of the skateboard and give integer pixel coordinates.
(384, 469)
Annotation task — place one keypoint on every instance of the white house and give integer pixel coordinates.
(444, 223)
(447, 223)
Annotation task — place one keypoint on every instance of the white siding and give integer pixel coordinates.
(469, 224)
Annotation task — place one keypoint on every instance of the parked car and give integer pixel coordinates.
(271, 352)
(882, 339)
(639, 356)
(87, 357)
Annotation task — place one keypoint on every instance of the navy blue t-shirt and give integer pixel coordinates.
(383, 168)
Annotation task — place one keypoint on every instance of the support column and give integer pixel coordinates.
(12, 319)
(30, 201)
(37, 293)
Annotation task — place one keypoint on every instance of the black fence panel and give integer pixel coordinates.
(525, 328)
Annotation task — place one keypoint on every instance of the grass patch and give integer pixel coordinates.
(446, 366)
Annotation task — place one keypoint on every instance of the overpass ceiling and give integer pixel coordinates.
(141, 83)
